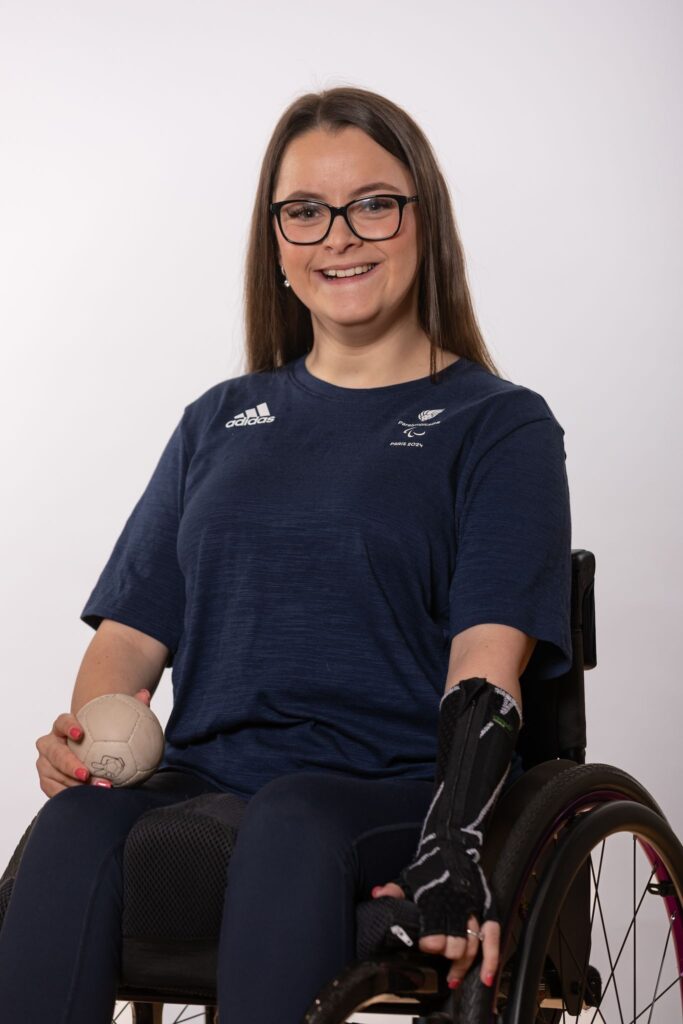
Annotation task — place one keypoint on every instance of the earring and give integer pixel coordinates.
(285, 282)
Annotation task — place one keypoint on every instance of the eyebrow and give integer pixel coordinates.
(305, 194)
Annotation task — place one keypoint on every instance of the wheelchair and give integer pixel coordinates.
(572, 851)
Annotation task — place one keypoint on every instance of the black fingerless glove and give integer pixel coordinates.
(478, 728)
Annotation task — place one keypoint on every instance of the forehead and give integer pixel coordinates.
(334, 163)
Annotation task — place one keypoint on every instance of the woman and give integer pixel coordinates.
(349, 555)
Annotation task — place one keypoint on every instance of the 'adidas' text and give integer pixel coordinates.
(261, 414)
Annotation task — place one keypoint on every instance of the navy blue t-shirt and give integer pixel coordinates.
(307, 552)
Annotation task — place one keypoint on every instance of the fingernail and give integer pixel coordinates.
(102, 782)
(376, 890)
(82, 774)
(74, 732)
(454, 982)
(488, 979)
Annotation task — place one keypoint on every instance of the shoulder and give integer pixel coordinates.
(497, 405)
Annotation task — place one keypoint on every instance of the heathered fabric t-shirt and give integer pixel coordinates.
(307, 551)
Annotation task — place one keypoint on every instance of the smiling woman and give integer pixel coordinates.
(348, 587)
(363, 158)
(365, 323)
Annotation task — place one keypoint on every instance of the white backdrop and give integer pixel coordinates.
(131, 135)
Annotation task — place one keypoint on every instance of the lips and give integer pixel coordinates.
(348, 280)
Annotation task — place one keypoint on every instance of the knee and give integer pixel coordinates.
(74, 816)
(297, 809)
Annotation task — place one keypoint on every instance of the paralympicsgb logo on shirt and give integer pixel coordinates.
(411, 428)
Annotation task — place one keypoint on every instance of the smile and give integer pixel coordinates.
(352, 279)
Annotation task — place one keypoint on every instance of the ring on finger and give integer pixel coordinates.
(478, 935)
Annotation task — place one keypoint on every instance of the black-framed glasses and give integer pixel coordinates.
(372, 218)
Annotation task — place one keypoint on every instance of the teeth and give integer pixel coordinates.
(362, 269)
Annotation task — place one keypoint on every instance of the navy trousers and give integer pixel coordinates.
(309, 847)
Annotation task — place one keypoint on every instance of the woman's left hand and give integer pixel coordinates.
(461, 951)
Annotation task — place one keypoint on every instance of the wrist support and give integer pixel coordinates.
(478, 728)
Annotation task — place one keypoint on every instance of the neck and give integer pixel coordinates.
(391, 360)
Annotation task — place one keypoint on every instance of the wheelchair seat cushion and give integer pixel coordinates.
(174, 874)
(175, 865)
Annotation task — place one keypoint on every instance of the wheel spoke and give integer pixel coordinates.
(609, 956)
(676, 981)
(571, 952)
(611, 975)
(125, 1009)
(596, 884)
(659, 974)
(635, 933)
(613, 964)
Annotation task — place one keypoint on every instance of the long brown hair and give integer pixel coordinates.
(278, 325)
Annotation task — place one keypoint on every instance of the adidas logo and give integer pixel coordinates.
(261, 414)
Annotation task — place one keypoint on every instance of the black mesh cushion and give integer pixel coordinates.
(5, 893)
(13, 865)
(174, 868)
(174, 873)
(10, 872)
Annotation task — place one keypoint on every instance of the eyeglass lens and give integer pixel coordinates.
(306, 221)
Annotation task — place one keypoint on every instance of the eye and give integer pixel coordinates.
(301, 211)
(375, 204)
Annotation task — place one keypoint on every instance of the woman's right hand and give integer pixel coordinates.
(57, 766)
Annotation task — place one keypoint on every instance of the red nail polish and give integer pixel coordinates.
(454, 982)
(488, 979)
(82, 774)
(375, 890)
(102, 782)
(74, 732)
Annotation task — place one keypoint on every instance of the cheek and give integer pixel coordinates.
(407, 262)
(300, 272)
(406, 249)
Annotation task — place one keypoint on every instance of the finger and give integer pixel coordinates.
(70, 765)
(390, 889)
(457, 948)
(52, 781)
(473, 941)
(51, 769)
(467, 948)
(145, 696)
(490, 951)
(64, 764)
(57, 750)
(434, 943)
(63, 724)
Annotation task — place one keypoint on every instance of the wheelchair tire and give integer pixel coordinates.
(564, 806)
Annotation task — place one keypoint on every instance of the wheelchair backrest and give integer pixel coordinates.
(555, 709)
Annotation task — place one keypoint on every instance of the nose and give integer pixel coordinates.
(340, 234)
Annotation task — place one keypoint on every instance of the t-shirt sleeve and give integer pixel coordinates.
(513, 555)
(142, 584)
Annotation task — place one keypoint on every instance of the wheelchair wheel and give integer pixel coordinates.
(153, 1013)
(590, 889)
